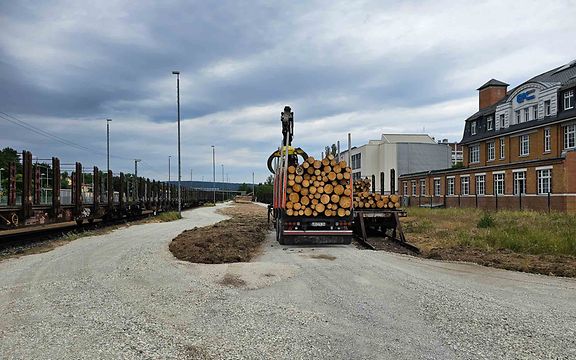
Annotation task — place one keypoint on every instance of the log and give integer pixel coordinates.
(325, 199)
(328, 189)
(320, 208)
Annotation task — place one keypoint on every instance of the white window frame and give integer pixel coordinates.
(414, 188)
(480, 184)
(405, 187)
(356, 160)
(526, 114)
(524, 145)
(547, 140)
(502, 120)
(423, 187)
(467, 182)
(474, 154)
(502, 148)
(547, 108)
(499, 183)
(437, 187)
(544, 181)
(490, 123)
(519, 177)
(569, 100)
(535, 112)
(491, 150)
(473, 128)
(570, 136)
(517, 113)
(450, 186)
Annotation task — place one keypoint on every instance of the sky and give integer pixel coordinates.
(359, 67)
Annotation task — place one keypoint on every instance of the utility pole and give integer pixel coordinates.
(253, 188)
(136, 161)
(177, 73)
(190, 174)
(214, 172)
(107, 154)
(169, 170)
(223, 173)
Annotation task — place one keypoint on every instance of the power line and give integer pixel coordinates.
(14, 120)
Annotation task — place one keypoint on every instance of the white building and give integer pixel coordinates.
(397, 154)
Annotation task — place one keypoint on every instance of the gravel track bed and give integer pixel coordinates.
(123, 295)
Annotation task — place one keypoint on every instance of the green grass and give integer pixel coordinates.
(525, 232)
(168, 216)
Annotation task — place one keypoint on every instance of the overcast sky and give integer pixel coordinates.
(364, 67)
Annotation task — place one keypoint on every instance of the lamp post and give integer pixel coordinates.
(136, 161)
(1, 169)
(223, 173)
(107, 154)
(177, 73)
(169, 170)
(214, 172)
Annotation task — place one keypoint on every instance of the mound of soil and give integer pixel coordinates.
(235, 240)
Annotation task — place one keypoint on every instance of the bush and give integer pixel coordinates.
(486, 221)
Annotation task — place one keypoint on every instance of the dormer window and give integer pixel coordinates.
(547, 108)
(490, 123)
(502, 117)
(473, 128)
(569, 100)
(526, 114)
(534, 112)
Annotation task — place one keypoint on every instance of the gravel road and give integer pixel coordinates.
(123, 295)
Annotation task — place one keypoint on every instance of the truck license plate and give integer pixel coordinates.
(317, 223)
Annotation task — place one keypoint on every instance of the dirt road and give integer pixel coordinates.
(123, 295)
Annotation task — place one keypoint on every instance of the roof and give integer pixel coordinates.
(407, 138)
(493, 82)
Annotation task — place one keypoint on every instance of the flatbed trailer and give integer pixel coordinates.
(380, 222)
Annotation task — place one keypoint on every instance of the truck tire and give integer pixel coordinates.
(279, 227)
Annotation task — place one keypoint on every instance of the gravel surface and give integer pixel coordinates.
(123, 295)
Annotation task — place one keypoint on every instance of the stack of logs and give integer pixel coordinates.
(364, 199)
(319, 188)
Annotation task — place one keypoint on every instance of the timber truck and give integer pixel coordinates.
(306, 218)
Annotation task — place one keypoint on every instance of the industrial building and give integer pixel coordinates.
(384, 160)
(518, 150)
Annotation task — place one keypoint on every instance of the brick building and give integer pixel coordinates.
(519, 150)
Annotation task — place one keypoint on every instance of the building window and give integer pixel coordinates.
(356, 176)
(450, 190)
(499, 184)
(491, 151)
(490, 123)
(356, 161)
(474, 154)
(534, 112)
(569, 136)
(480, 184)
(465, 185)
(517, 116)
(405, 185)
(544, 181)
(413, 188)
(524, 145)
(520, 182)
(526, 114)
(436, 187)
(502, 117)
(502, 148)
(547, 108)
(473, 127)
(422, 187)
(569, 100)
(547, 144)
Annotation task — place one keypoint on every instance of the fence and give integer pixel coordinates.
(538, 202)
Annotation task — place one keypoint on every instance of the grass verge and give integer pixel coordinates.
(168, 216)
(518, 240)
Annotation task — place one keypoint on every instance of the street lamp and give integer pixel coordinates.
(214, 172)
(135, 193)
(177, 73)
(107, 154)
(1, 169)
(169, 170)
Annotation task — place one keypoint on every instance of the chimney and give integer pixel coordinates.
(491, 92)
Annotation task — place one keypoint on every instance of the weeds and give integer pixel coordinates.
(486, 221)
(168, 216)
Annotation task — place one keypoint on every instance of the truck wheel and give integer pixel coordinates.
(279, 236)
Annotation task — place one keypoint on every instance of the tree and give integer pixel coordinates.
(332, 149)
(269, 180)
(8, 155)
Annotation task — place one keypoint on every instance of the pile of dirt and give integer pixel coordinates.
(235, 240)
(555, 265)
